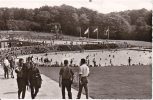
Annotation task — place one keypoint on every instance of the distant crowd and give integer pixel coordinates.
(25, 50)
(48, 62)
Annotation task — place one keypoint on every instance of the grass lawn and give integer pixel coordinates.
(125, 82)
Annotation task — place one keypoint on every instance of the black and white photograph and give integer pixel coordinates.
(76, 49)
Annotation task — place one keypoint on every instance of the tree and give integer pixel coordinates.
(43, 17)
(130, 24)
(140, 22)
(54, 15)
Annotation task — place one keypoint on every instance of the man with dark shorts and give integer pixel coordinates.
(66, 79)
(83, 78)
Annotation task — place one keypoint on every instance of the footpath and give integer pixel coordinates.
(49, 90)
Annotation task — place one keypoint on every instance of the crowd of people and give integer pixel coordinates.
(99, 58)
(35, 49)
(100, 46)
(25, 50)
(28, 75)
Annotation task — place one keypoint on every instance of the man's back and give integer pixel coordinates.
(66, 79)
(84, 70)
(66, 72)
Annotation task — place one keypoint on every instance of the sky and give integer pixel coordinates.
(102, 6)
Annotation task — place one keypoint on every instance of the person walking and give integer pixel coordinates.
(12, 65)
(83, 78)
(29, 63)
(129, 60)
(94, 62)
(34, 80)
(6, 66)
(66, 79)
(22, 81)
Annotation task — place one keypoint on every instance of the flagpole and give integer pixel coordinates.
(80, 32)
(108, 32)
(88, 33)
(97, 33)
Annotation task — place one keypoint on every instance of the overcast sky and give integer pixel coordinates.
(103, 6)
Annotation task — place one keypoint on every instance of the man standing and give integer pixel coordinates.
(94, 61)
(129, 60)
(6, 67)
(34, 79)
(83, 78)
(66, 79)
(22, 81)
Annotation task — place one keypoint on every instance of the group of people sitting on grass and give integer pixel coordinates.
(38, 37)
(100, 46)
(15, 51)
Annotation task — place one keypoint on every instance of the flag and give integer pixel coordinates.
(106, 32)
(95, 30)
(87, 31)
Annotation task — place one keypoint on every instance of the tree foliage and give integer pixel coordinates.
(130, 24)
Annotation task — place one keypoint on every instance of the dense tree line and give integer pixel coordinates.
(129, 25)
